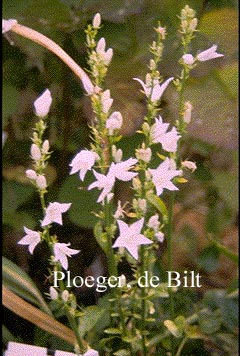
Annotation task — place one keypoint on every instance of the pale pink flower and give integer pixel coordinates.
(154, 90)
(96, 21)
(163, 175)
(42, 103)
(154, 222)
(91, 352)
(188, 59)
(189, 165)
(208, 54)
(54, 213)
(41, 182)
(144, 154)
(103, 182)
(121, 170)
(114, 122)
(119, 213)
(159, 236)
(8, 24)
(61, 251)
(106, 101)
(31, 174)
(130, 237)
(187, 114)
(83, 162)
(35, 152)
(32, 239)
(53, 293)
(106, 56)
(159, 134)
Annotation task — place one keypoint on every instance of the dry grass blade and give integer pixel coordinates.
(36, 316)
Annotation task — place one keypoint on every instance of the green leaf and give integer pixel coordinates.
(208, 259)
(101, 237)
(83, 201)
(114, 331)
(221, 27)
(158, 204)
(19, 282)
(209, 321)
(9, 101)
(92, 315)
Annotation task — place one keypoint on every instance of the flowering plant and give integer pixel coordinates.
(138, 314)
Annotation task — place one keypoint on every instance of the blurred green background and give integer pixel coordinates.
(208, 203)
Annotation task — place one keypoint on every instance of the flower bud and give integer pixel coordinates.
(41, 182)
(65, 295)
(122, 280)
(187, 115)
(136, 183)
(42, 103)
(160, 236)
(31, 174)
(142, 204)
(96, 21)
(144, 154)
(7, 25)
(45, 147)
(189, 165)
(53, 293)
(35, 152)
(188, 59)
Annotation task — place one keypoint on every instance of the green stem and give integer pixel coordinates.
(181, 346)
(143, 305)
(111, 260)
(74, 327)
(170, 260)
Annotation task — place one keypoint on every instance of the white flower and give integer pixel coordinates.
(153, 89)
(103, 182)
(91, 352)
(53, 293)
(106, 56)
(159, 134)
(4, 137)
(160, 236)
(35, 152)
(41, 182)
(32, 239)
(106, 101)
(114, 122)
(42, 103)
(130, 237)
(187, 114)
(153, 222)
(120, 170)
(8, 24)
(119, 213)
(31, 174)
(61, 251)
(83, 162)
(122, 280)
(189, 165)
(188, 59)
(144, 154)
(54, 213)
(96, 21)
(161, 31)
(208, 54)
(162, 176)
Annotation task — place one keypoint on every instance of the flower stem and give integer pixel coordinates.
(181, 346)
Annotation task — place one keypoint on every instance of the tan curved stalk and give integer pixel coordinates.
(46, 42)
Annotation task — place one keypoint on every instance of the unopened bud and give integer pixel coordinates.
(42, 103)
(65, 295)
(96, 21)
(53, 293)
(31, 174)
(35, 152)
(45, 146)
(41, 182)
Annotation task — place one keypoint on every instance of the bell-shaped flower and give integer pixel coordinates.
(61, 251)
(103, 182)
(54, 213)
(208, 54)
(130, 237)
(106, 56)
(159, 134)
(42, 103)
(83, 162)
(106, 101)
(121, 170)
(114, 122)
(163, 175)
(32, 239)
(8, 24)
(153, 89)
